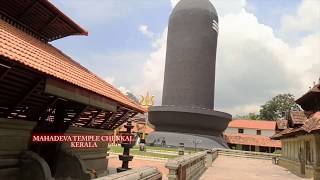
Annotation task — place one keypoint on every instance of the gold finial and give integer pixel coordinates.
(147, 100)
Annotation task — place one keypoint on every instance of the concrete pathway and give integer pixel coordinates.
(231, 168)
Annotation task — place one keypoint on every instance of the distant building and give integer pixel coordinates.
(139, 125)
(301, 137)
(252, 135)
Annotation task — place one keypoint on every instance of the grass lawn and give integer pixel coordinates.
(135, 151)
(120, 149)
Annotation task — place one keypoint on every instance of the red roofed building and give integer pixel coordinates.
(301, 138)
(42, 90)
(252, 135)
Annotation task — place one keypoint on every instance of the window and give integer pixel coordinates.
(240, 131)
(258, 132)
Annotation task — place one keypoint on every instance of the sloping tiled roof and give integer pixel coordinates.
(314, 89)
(41, 18)
(252, 124)
(138, 127)
(282, 124)
(31, 52)
(254, 140)
(281, 133)
(312, 124)
(298, 117)
(309, 101)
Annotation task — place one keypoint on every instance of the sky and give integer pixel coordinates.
(264, 47)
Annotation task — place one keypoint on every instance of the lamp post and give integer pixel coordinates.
(126, 157)
(196, 142)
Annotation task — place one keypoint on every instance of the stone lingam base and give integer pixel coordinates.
(195, 127)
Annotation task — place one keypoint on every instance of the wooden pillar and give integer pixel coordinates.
(257, 148)
(59, 127)
(317, 157)
(59, 116)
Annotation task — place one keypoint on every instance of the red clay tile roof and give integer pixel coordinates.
(252, 124)
(138, 127)
(309, 100)
(41, 17)
(22, 48)
(311, 125)
(254, 140)
(282, 124)
(298, 117)
(281, 133)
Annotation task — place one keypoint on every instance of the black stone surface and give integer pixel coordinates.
(187, 112)
(191, 55)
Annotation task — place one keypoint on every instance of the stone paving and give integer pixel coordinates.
(223, 168)
(239, 168)
(137, 163)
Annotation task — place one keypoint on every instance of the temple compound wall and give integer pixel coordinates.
(301, 155)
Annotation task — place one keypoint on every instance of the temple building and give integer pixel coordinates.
(140, 126)
(252, 135)
(301, 139)
(42, 90)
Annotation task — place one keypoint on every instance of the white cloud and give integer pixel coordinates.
(307, 18)
(94, 11)
(109, 80)
(305, 21)
(223, 6)
(253, 64)
(124, 90)
(144, 29)
(153, 71)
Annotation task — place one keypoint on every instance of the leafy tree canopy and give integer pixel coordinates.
(277, 107)
(252, 116)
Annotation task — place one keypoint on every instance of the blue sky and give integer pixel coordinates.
(126, 43)
(114, 35)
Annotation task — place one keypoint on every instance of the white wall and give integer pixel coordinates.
(250, 131)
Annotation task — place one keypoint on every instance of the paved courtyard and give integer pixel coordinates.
(230, 168)
(223, 168)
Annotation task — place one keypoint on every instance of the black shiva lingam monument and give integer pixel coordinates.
(187, 113)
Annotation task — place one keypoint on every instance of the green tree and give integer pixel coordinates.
(252, 116)
(278, 106)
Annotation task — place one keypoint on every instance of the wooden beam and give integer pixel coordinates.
(4, 73)
(24, 97)
(106, 119)
(29, 92)
(89, 123)
(52, 20)
(49, 105)
(59, 116)
(27, 9)
(61, 89)
(77, 117)
(5, 66)
(119, 118)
